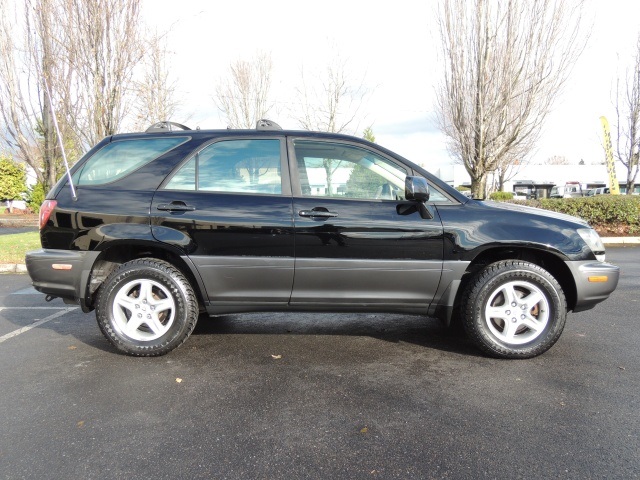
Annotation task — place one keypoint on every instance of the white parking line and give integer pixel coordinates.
(35, 324)
(36, 308)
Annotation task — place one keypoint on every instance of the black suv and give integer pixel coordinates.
(168, 224)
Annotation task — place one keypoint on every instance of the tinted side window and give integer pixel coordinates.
(337, 170)
(243, 166)
(119, 158)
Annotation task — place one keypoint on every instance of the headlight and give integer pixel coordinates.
(593, 241)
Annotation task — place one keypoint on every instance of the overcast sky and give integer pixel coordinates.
(392, 47)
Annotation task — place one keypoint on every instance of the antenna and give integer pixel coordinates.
(64, 155)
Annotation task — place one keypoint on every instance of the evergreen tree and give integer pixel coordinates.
(12, 181)
(368, 135)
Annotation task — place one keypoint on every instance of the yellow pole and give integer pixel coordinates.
(614, 186)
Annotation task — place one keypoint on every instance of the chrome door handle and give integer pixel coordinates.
(317, 213)
(176, 207)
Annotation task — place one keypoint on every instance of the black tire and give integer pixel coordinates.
(146, 308)
(513, 309)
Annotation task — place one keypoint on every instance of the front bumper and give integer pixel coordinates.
(62, 273)
(594, 282)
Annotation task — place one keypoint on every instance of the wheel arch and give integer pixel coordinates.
(543, 258)
(118, 253)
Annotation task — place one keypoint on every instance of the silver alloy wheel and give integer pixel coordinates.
(143, 310)
(517, 312)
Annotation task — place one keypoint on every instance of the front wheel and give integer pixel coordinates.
(146, 307)
(513, 309)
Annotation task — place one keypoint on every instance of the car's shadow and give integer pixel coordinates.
(395, 328)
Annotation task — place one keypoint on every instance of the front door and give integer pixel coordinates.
(359, 243)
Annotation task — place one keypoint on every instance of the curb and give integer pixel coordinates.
(621, 240)
(13, 268)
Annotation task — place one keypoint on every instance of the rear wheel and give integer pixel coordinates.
(146, 308)
(514, 309)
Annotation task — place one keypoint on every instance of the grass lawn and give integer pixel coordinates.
(13, 246)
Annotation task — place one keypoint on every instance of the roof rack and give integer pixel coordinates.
(265, 124)
(166, 127)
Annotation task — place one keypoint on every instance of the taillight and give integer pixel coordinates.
(45, 211)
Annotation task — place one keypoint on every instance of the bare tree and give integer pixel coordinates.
(243, 97)
(86, 53)
(333, 102)
(155, 92)
(32, 50)
(505, 63)
(106, 46)
(505, 171)
(627, 105)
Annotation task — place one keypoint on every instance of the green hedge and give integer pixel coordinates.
(605, 212)
(501, 196)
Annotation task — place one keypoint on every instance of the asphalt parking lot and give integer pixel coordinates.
(275, 396)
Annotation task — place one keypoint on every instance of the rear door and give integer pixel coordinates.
(359, 243)
(229, 208)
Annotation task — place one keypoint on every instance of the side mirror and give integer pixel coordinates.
(417, 189)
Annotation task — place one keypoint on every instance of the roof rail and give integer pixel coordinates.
(265, 124)
(166, 127)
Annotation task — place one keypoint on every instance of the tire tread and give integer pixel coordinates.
(165, 268)
(468, 309)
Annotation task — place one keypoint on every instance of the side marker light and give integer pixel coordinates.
(598, 279)
(61, 266)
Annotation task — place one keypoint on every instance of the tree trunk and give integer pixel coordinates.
(328, 168)
(479, 186)
(632, 171)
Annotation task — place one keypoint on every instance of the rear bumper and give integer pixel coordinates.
(69, 283)
(594, 282)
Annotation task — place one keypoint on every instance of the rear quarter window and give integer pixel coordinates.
(118, 159)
